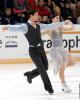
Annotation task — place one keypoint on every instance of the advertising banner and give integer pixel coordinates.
(14, 45)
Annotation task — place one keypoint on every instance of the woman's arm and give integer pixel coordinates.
(48, 32)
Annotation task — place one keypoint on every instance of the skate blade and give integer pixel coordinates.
(69, 91)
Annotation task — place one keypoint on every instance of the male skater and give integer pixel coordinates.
(36, 49)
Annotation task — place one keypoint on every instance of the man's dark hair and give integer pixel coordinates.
(32, 12)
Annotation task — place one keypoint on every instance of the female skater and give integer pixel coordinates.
(60, 57)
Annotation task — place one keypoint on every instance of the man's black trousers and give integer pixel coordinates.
(39, 58)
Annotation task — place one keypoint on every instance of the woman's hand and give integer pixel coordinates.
(68, 22)
(68, 25)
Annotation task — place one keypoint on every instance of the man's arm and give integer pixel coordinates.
(55, 25)
(51, 26)
(20, 28)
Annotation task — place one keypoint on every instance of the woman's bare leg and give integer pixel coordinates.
(61, 73)
(65, 88)
(71, 61)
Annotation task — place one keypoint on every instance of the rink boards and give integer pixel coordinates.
(14, 46)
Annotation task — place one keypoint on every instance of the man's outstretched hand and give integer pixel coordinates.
(5, 28)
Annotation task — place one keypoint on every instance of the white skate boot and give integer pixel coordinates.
(65, 88)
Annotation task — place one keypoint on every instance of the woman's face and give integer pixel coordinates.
(56, 19)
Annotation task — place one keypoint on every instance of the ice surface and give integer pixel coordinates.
(14, 86)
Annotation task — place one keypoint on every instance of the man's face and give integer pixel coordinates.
(35, 17)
